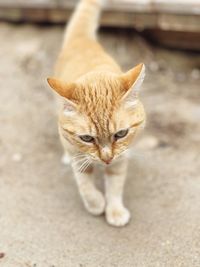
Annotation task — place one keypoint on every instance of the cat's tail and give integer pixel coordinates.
(85, 19)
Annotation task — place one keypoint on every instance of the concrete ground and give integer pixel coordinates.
(42, 220)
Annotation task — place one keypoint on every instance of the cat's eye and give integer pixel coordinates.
(87, 138)
(121, 134)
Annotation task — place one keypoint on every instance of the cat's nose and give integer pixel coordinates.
(106, 154)
(108, 161)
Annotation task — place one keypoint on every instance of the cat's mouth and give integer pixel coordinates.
(102, 161)
(107, 161)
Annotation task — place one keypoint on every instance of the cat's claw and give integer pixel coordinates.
(117, 215)
(95, 203)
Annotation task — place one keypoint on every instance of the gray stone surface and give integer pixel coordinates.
(42, 220)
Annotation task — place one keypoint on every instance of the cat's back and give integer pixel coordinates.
(81, 52)
(81, 56)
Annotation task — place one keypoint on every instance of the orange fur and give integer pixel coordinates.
(98, 98)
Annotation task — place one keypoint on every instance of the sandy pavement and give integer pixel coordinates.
(42, 220)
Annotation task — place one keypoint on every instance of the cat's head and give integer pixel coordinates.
(101, 112)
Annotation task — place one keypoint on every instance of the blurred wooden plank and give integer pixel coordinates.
(178, 6)
(175, 39)
(59, 12)
(165, 6)
(175, 17)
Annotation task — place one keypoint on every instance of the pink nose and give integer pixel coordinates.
(107, 161)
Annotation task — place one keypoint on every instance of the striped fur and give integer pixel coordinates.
(98, 99)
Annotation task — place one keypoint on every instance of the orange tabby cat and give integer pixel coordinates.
(100, 113)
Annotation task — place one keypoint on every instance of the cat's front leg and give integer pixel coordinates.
(116, 213)
(92, 198)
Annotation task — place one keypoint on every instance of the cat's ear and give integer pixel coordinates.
(65, 90)
(132, 81)
(62, 88)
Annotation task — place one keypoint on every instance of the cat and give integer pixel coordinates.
(100, 113)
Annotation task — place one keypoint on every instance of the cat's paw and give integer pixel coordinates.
(95, 203)
(117, 215)
(65, 159)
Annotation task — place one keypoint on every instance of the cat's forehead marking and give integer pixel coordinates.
(100, 120)
(102, 115)
(99, 102)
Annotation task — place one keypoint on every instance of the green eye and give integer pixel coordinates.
(87, 138)
(121, 134)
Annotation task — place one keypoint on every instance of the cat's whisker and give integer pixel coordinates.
(86, 166)
(83, 165)
(87, 163)
(78, 161)
(82, 168)
(78, 153)
(78, 156)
